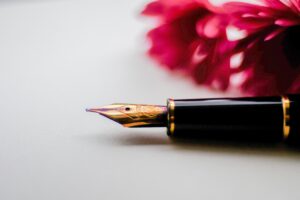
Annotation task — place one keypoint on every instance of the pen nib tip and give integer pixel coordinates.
(93, 110)
(133, 115)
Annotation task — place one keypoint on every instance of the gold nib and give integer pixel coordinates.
(134, 115)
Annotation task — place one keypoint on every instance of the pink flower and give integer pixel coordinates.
(190, 38)
(252, 47)
(271, 46)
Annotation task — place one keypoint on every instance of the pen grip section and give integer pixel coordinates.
(249, 119)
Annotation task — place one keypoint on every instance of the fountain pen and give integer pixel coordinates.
(270, 119)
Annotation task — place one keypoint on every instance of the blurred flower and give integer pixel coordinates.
(271, 45)
(252, 47)
(191, 38)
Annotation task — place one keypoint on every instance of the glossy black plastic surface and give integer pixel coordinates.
(257, 119)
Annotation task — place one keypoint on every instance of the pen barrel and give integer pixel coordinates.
(273, 119)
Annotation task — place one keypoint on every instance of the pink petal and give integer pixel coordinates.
(153, 8)
(273, 34)
(209, 26)
(236, 60)
(286, 22)
(233, 33)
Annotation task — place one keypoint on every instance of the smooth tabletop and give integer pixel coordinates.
(59, 57)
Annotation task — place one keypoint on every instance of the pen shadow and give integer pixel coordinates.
(129, 138)
(218, 147)
(140, 139)
(235, 147)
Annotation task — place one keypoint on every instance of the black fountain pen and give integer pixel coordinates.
(267, 119)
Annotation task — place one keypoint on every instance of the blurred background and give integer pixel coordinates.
(59, 57)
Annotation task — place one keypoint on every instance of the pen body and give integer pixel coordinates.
(271, 119)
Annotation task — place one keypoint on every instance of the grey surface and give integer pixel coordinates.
(58, 58)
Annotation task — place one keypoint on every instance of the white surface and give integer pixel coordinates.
(57, 58)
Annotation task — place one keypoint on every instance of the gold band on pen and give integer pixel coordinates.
(286, 104)
(171, 117)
